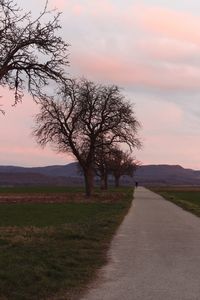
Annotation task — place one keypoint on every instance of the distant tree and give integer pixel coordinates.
(111, 160)
(102, 159)
(31, 52)
(83, 113)
(121, 163)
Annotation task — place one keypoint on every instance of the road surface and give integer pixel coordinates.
(155, 254)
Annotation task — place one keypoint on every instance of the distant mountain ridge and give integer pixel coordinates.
(69, 170)
(70, 175)
(49, 175)
(167, 174)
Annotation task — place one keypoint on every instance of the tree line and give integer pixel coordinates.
(90, 120)
(115, 162)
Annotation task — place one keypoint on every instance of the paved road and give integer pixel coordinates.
(155, 254)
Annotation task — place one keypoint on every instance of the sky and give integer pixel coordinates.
(151, 49)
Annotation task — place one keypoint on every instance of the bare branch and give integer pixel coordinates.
(32, 54)
(86, 118)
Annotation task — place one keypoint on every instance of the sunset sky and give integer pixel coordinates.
(149, 48)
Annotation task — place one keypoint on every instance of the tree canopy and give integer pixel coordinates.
(85, 117)
(114, 161)
(121, 163)
(31, 51)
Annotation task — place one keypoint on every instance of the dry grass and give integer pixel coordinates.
(103, 197)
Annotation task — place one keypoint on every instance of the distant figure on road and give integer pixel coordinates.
(136, 184)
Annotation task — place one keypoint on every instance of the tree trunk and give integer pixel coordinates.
(104, 182)
(89, 181)
(117, 181)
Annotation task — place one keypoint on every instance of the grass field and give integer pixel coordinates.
(186, 197)
(52, 250)
(40, 189)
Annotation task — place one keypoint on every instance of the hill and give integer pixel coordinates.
(167, 175)
(69, 170)
(51, 175)
(69, 175)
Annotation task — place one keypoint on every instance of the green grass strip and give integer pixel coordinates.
(187, 199)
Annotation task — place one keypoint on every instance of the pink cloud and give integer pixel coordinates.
(143, 74)
(102, 8)
(59, 4)
(168, 23)
(18, 147)
(171, 149)
(93, 8)
(168, 138)
(167, 114)
(29, 154)
(78, 9)
(154, 19)
(167, 49)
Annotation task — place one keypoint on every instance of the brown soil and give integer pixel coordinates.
(105, 197)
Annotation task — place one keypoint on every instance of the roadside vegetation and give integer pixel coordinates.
(53, 250)
(186, 197)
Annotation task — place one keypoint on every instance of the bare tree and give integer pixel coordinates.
(102, 159)
(121, 163)
(31, 52)
(83, 113)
